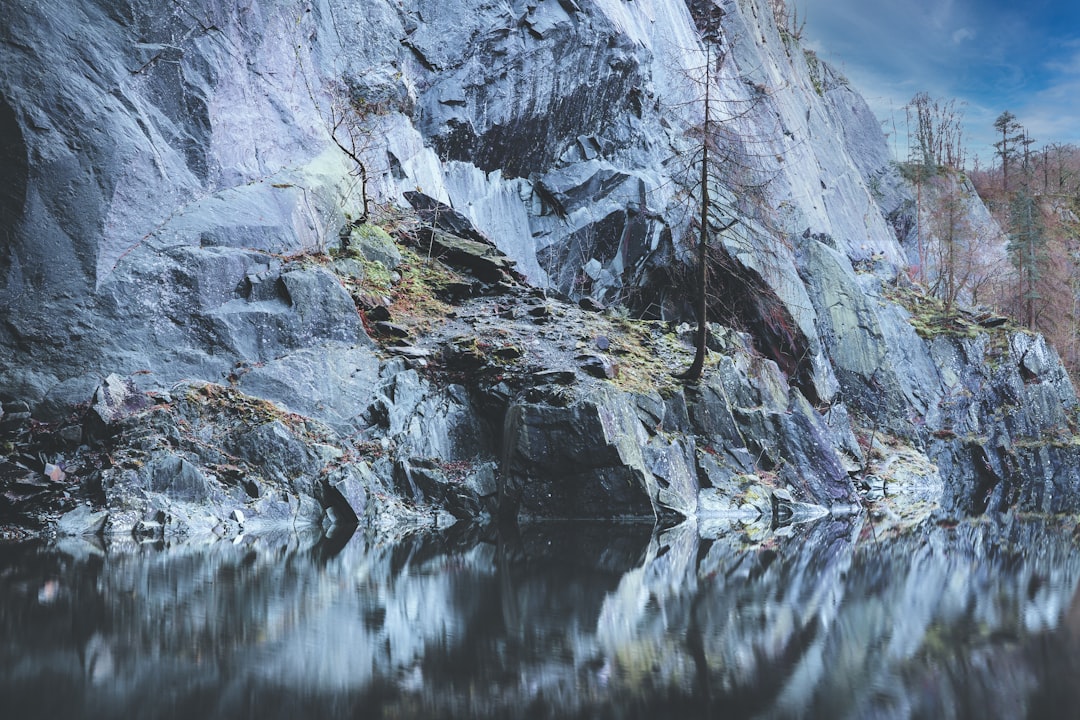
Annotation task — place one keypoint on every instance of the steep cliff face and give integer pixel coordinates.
(168, 168)
(157, 143)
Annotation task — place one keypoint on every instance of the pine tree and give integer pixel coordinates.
(1011, 135)
(1027, 248)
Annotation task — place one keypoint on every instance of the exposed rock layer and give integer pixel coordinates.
(170, 168)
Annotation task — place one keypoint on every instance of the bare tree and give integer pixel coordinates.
(939, 134)
(705, 210)
(935, 145)
(1039, 210)
(724, 176)
(346, 122)
(787, 19)
(965, 260)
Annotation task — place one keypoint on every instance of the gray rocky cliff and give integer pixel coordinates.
(176, 174)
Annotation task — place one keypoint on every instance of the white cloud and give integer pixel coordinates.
(1068, 66)
(992, 61)
(963, 35)
(1051, 114)
(940, 14)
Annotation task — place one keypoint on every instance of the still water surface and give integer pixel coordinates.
(979, 620)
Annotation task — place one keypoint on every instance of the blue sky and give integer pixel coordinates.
(991, 55)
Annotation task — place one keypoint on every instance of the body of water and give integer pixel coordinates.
(976, 620)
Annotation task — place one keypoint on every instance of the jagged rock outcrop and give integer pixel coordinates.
(1006, 437)
(184, 194)
(611, 453)
(194, 161)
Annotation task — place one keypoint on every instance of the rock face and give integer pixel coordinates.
(159, 161)
(174, 176)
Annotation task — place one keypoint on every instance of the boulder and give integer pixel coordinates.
(590, 458)
(115, 399)
(66, 399)
(82, 521)
(372, 243)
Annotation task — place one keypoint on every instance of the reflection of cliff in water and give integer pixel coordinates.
(563, 619)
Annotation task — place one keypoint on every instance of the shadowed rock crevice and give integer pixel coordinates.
(14, 172)
(707, 15)
(552, 106)
(739, 297)
(576, 263)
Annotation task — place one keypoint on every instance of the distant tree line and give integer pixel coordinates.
(1034, 192)
(1030, 270)
(955, 257)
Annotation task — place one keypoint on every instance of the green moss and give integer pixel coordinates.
(223, 399)
(814, 64)
(416, 296)
(648, 354)
(413, 287)
(377, 277)
(370, 232)
(930, 319)
(1062, 440)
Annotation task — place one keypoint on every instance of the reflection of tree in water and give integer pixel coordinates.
(560, 620)
(739, 626)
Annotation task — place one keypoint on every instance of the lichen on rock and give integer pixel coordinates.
(430, 263)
